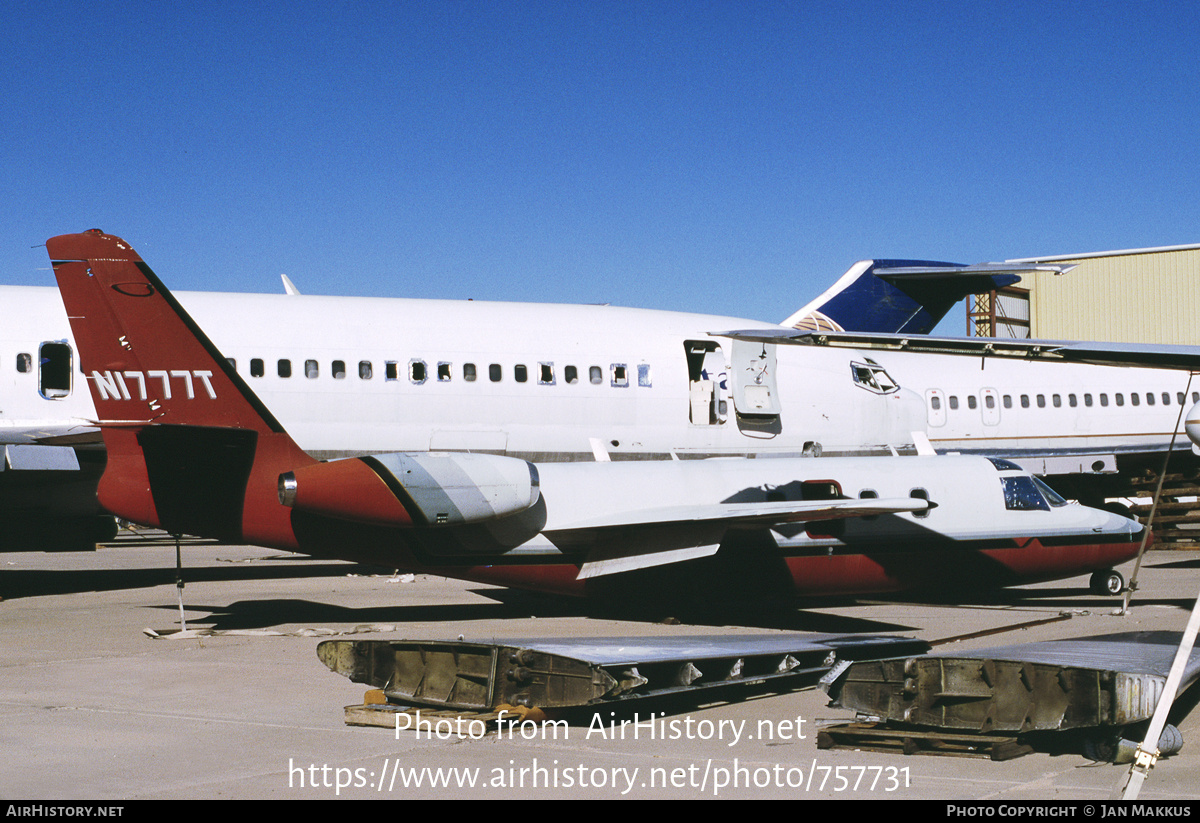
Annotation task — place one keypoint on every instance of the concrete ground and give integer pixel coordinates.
(93, 708)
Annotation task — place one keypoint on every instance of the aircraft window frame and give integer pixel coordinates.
(1166, 398)
(570, 375)
(920, 493)
(337, 369)
(391, 370)
(935, 402)
(366, 371)
(1024, 401)
(1041, 401)
(445, 371)
(1072, 400)
(1008, 401)
(418, 371)
(24, 362)
(1021, 494)
(1104, 399)
(1196, 397)
(257, 367)
(972, 402)
(953, 402)
(546, 375)
(283, 367)
(1150, 398)
(470, 373)
(312, 369)
(644, 375)
(521, 373)
(873, 377)
(1056, 400)
(53, 360)
(1087, 399)
(1135, 399)
(495, 373)
(989, 401)
(620, 375)
(1120, 398)
(1180, 396)
(595, 375)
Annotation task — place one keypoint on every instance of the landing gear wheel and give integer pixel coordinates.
(1109, 583)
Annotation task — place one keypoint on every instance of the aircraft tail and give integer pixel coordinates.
(899, 296)
(191, 449)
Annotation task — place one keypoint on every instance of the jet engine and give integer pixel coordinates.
(413, 490)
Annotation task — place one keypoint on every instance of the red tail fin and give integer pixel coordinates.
(152, 370)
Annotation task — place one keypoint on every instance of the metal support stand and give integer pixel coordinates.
(179, 584)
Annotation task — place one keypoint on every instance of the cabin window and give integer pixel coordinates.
(545, 374)
(338, 369)
(1166, 398)
(311, 369)
(1087, 400)
(869, 494)
(1103, 398)
(469, 372)
(1041, 401)
(953, 402)
(417, 372)
(972, 403)
(1150, 398)
(989, 401)
(520, 373)
(1024, 401)
(571, 375)
(920, 494)
(54, 370)
(390, 370)
(365, 372)
(1196, 397)
(284, 367)
(596, 375)
(25, 363)
(644, 375)
(1072, 400)
(256, 367)
(1008, 401)
(935, 403)
(494, 372)
(1056, 400)
(1120, 398)
(620, 375)
(444, 372)
(1135, 398)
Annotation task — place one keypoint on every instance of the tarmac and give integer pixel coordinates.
(94, 708)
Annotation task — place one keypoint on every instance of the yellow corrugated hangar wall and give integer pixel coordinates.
(1130, 296)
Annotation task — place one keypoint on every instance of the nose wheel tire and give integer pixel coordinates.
(1109, 583)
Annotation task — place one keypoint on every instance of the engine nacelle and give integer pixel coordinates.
(413, 490)
(1191, 424)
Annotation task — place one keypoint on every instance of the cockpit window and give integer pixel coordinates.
(1054, 498)
(1022, 494)
(873, 377)
(1004, 465)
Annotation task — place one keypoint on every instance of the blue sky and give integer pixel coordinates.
(731, 158)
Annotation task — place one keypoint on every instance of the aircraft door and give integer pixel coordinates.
(708, 385)
(989, 399)
(754, 389)
(935, 403)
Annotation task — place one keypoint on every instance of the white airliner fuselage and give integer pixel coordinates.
(547, 382)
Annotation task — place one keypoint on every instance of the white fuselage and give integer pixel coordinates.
(349, 376)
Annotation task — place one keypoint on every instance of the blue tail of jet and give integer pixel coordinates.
(900, 296)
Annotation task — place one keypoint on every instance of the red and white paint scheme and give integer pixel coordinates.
(216, 462)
